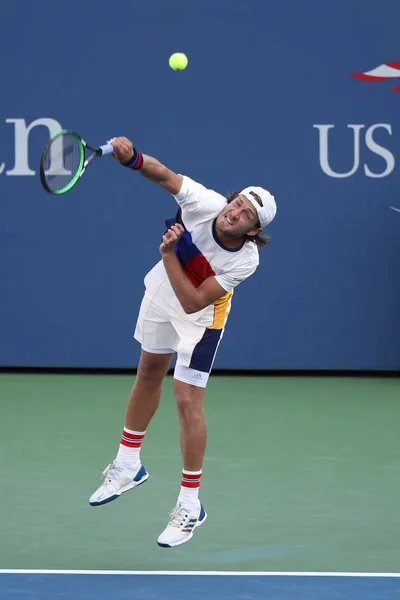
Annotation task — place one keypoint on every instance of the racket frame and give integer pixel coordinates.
(83, 162)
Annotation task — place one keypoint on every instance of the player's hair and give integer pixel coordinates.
(259, 240)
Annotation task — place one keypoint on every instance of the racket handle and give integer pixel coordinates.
(107, 149)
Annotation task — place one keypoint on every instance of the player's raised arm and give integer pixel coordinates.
(155, 171)
(147, 166)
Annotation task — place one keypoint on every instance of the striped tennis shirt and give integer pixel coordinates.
(202, 255)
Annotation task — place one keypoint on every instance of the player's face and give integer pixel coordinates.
(237, 219)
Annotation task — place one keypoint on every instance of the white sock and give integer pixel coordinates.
(190, 486)
(129, 448)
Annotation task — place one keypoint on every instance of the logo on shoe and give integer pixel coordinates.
(190, 526)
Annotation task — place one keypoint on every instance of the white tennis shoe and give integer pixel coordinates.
(181, 526)
(117, 479)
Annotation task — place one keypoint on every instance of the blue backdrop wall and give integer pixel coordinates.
(267, 99)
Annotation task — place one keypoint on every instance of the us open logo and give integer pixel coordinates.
(363, 134)
(390, 70)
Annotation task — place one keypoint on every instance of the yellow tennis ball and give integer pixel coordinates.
(178, 61)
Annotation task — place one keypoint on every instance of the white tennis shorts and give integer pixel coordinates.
(196, 346)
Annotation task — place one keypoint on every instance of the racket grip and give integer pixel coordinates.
(107, 149)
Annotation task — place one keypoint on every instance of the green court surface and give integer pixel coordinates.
(301, 474)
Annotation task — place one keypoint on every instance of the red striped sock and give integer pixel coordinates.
(190, 486)
(129, 448)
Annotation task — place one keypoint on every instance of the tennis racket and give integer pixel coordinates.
(64, 160)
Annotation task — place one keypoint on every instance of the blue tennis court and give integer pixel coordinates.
(146, 585)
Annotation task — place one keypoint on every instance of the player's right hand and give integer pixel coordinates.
(123, 149)
(171, 238)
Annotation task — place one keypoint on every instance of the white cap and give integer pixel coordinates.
(267, 212)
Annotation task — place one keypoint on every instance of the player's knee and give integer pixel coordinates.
(189, 400)
(153, 367)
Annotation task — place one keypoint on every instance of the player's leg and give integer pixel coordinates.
(158, 339)
(146, 391)
(143, 402)
(189, 403)
(196, 353)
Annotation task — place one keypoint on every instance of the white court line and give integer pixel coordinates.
(202, 573)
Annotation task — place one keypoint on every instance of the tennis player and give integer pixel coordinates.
(208, 249)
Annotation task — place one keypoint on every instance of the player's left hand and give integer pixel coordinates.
(171, 238)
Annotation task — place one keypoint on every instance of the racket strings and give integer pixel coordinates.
(63, 162)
